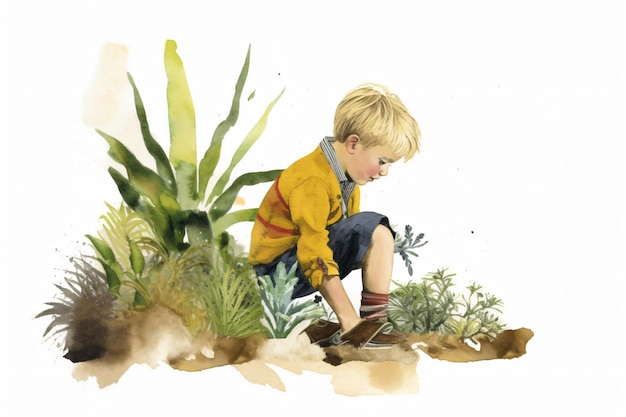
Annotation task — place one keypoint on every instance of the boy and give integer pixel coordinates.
(311, 216)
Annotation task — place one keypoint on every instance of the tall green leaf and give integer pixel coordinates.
(243, 148)
(131, 196)
(160, 157)
(113, 278)
(159, 219)
(164, 211)
(220, 225)
(225, 201)
(137, 261)
(143, 179)
(182, 123)
(212, 155)
(104, 250)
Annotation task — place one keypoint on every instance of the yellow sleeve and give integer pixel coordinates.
(310, 206)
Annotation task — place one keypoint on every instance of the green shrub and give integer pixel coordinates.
(431, 306)
(168, 242)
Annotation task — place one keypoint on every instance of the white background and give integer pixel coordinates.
(519, 186)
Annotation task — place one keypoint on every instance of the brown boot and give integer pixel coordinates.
(386, 339)
(388, 336)
(323, 333)
(371, 334)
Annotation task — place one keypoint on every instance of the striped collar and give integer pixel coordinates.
(345, 182)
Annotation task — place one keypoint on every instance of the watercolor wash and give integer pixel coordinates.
(167, 281)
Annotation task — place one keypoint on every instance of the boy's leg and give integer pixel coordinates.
(376, 269)
(366, 241)
(374, 306)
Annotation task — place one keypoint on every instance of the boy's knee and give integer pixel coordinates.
(382, 235)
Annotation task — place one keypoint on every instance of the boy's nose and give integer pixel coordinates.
(383, 170)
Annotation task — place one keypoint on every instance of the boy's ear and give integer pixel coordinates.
(351, 142)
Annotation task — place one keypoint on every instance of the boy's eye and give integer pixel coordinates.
(381, 162)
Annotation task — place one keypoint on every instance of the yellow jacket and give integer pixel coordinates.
(303, 201)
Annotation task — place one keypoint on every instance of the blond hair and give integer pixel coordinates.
(378, 118)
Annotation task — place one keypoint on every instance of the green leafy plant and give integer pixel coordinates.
(232, 293)
(405, 245)
(172, 198)
(176, 202)
(431, 306)
(142, 274)
(179, 282)
(282, 314)
(479, 314)
(424, 306)
(124, 244)
(168, 242)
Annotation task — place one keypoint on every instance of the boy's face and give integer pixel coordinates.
(365, 165)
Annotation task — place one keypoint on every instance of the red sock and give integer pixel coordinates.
(373, 306)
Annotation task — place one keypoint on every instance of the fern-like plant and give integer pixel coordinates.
(124, 245)
(282, 314)
(179, 282)
(232, 293)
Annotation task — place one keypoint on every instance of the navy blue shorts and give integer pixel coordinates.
(348, 238)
